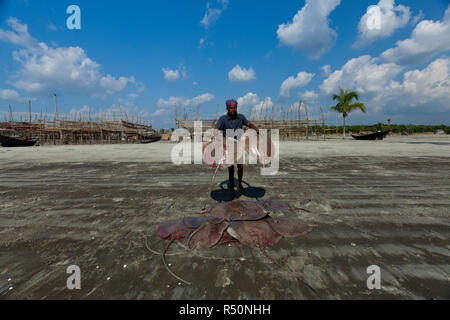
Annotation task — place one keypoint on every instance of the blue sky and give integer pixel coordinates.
(147, 55)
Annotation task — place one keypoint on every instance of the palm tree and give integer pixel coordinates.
(345, 105)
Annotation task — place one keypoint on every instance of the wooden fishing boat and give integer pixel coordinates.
(9, 142)
(151, 139)
(380, 135)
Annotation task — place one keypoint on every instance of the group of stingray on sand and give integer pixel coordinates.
(246, 222)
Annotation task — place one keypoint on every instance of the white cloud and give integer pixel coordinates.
(252, 103)
(111, 84)
(204, 98)
(45, 69)
(126, 109)
(83, 110)
(250, 99)
(8, 94)
(174, 75)
(420, 87)
(326, 69)
(238, 74)
(428, 39)
(171, 75)
(309, 30)
(170, 102)
(183, 71)
(262, 105)
(52, 27)
(375, 81)
(302, 79)
(213, 14)
(381, 21)
(207, 97)
(363, 74)
(159, 113)
(418, 17)
(309, 96)
(19, 34)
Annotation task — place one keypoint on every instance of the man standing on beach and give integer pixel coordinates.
(234, 120)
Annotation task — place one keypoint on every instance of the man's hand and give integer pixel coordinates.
(252, 126)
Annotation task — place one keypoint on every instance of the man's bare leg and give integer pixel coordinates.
(231, 179)
(240, 175)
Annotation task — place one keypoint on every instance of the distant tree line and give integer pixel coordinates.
(395, 128)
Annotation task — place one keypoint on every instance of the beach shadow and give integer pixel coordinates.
(224, 194)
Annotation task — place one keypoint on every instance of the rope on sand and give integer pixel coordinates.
(192, 252)
(160, 253)
(167, 267)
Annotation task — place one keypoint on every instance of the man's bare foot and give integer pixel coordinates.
(240, 188)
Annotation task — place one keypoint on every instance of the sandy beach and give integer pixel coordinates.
(384, 203)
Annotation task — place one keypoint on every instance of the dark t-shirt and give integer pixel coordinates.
(225, 122)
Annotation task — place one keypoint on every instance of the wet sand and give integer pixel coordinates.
(384, 203)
